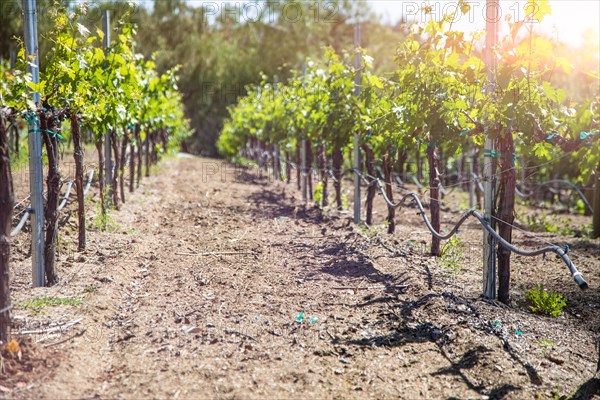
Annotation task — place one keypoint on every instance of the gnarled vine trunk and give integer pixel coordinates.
(288, 167)
(79, 183)
(309, 163)
(441, 165)
(278, 165)
(337, 164)
(273, 162)
(263, 156)
(99, 146)
(7, 200)
(322, 165)
(299, 164)
(506, 212)
(388, 165)
(476, 168)
(371, 190)
(434, 205)
(164, 136)
(154, 147)
(132, 157)
(402, 157)
(419, 164)
(139, 144)
(114, 140)
(47, 123)
(124, 144)
(147, 152)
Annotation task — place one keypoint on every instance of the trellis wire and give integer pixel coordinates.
(561, 252)
(27, 210)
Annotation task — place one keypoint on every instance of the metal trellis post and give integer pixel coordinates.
(489, 243)
(36, 176)
(107, 145)
(357, 91)
(304, 167)
(276, 149)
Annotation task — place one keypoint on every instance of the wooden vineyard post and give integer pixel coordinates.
(79, 184)
(434, 189)
(372, 189)
(506, 206)
(489, 244)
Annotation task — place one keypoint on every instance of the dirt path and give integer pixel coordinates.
(220, 284)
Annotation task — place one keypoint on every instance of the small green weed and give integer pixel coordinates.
(104, 222)
(345, 204)
(544, 302)
(239, 160)
(452, 253)
(370, 231)
(546, 346)
(38, 303)
(318, 195)
(561, 225)
(90, 289)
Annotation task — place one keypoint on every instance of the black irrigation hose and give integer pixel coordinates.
(577, 276)
(63, 203)
(478, 182)
(398, 180)
(89, 183)
(21, 223)
(572, 186)
(562, 253)
(520, 194)
(330, 172)
(420, 186)
(27, 210)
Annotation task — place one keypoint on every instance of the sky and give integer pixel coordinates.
(569, 18)
(568, 21)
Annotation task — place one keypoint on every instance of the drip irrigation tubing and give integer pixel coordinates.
(566, 183)
(63, 203)
(443, 189)
(28, 209)
(89, 183)
(562, 253)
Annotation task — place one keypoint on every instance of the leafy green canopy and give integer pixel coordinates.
(438, 95)
(107, 88)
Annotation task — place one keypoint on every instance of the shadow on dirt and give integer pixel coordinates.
(469, 360)
(351, 263)
(405, 324)
(271, 204)
(586, 391)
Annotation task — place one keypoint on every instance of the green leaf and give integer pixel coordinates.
(375, 81)
(542, 150)
(37, 87)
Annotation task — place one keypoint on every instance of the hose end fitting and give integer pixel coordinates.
(580, 281)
